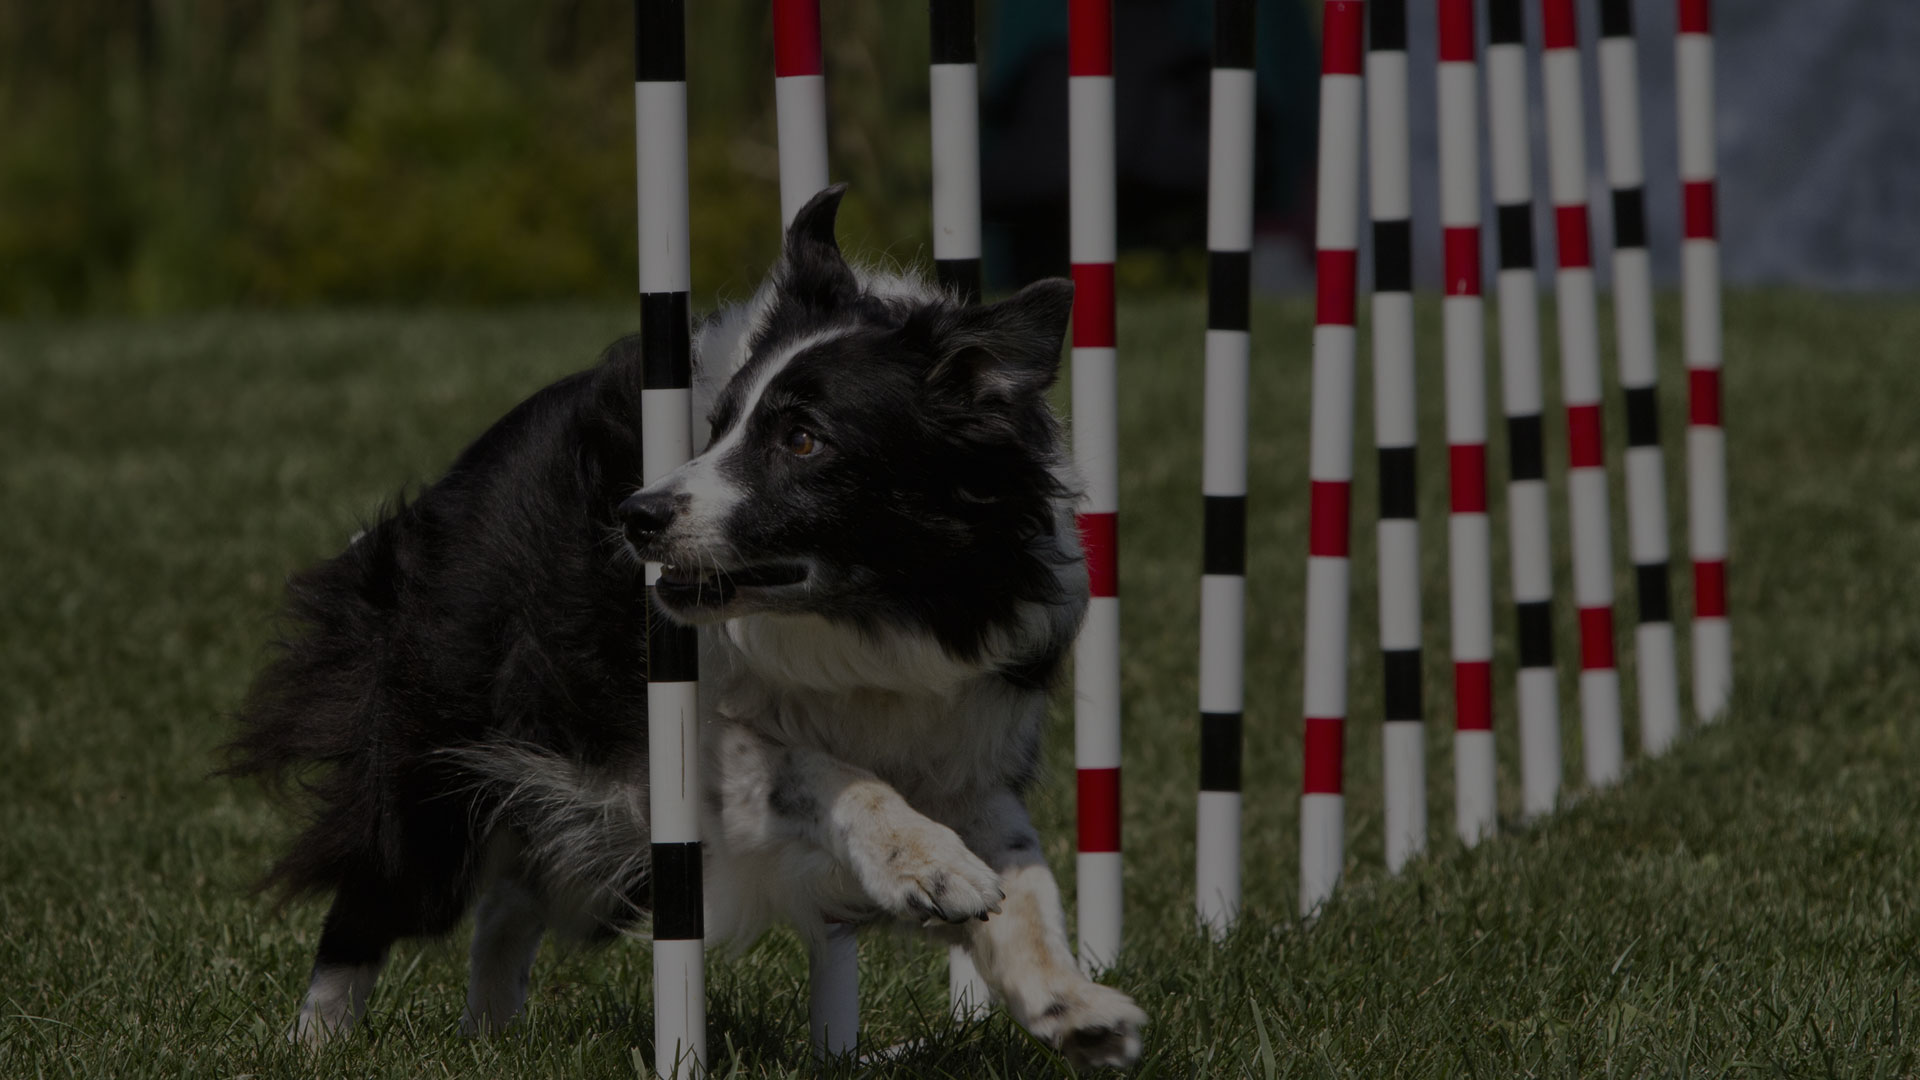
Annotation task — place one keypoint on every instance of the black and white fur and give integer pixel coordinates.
(877, 545)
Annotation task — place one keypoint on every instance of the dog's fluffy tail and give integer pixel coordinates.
(321, 717)
(583, 829)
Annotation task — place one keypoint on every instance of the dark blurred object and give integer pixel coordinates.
(1162, 59)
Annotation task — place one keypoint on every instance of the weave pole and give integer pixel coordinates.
(1223, 580)
(800, 103)
(1700, 291)
(800, 121)
(1469, 532)
(833, 991)
(666, 419)
(1396, 433)
(1096, 448)
(1658, 677)
(1330, 460)
(1580, 387)
(953, 80)
(1527, 518)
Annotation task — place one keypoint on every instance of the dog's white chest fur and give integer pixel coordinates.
(932, 725)
(895, 704)
(941, 731)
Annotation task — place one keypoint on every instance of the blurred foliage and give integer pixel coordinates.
(170, 154)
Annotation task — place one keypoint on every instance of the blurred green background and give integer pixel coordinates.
(166, 155)
(161, 155)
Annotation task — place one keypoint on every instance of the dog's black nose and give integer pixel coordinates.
(647, 514)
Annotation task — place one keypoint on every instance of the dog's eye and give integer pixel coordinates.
(802, 443)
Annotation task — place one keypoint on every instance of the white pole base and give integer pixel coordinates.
(1098, 885)
(1322, 848)
(1659, 688)
(1217, 861)
(679, 1009)
(1600, 735)
(1712, 667)
(1475, 798)
(1405, 773)
(1539, 741)
(833, 980)
(966, 990)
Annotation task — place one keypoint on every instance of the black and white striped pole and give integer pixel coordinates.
(953, 80)
(1396, 433)
(1657, 672)
(1528, 519)
(1223, 581)
(673, 731)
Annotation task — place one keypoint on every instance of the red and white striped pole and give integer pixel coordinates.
(1580, 386)
(1658, 675)
(1096, 449)
(800, 120)
(1396, 434)
(1527, 516)
(666, 407)
(953, 80)
(1223, 581)
(1700, 289)
(1330, 461)
(1469, 533)
(800, 103)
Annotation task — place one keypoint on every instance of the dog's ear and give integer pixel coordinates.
(812, 270)
(1009, 350)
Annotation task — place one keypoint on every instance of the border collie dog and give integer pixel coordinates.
(876, 543)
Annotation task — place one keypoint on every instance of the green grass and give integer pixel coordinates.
(1744, 905)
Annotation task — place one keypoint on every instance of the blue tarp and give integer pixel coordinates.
(1819, 139)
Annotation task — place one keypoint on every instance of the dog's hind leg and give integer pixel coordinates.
(353, 949)
(372, 910)
(507, 926)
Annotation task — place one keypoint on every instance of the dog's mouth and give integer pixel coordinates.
(687, 588)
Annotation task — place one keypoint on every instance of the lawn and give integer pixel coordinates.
(1746, 904)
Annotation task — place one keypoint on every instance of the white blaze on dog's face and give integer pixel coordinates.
(884, 455)
(708, 491)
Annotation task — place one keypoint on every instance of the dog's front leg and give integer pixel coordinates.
(1022, 952)
(903, 861)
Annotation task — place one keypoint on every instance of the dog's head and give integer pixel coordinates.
(882, 454)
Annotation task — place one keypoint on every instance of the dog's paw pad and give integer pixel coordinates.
(1093, 1025)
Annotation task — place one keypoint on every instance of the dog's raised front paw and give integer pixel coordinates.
(1093, 1025)
(923, 870)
